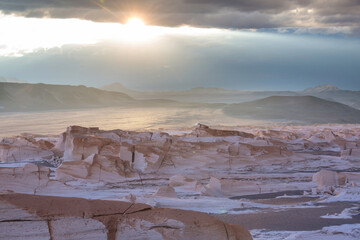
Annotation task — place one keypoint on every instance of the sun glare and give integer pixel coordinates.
(135, 30)
(135, 23)
(52, 33)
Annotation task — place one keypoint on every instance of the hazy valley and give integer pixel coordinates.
(259, 160)
(48, 109)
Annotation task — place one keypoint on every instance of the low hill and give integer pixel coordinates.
(27, 97)
(219, 95)
(199, 94)
(297, 109)
(333, 93)
(22, 97)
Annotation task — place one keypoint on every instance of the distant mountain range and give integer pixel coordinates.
(296, 107)
(322, 89)
(219, 95)
(332, 93)
(200, 95)
(37, 97)
(27, 97)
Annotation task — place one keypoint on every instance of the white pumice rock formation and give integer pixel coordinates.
(21, 149)
(186, 183)
(204, 169)
(166, 191)
(96, 167)
(351, 154)
(25, 178)
(326, 178)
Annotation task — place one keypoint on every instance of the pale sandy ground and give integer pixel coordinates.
(317, 221)
(115, 118)
(295, 219)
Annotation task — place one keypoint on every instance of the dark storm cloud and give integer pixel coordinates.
(274, 6)
(208, 13)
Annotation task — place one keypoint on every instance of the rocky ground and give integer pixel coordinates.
(280, 182)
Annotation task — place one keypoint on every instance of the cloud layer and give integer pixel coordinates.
(343, 15)
(240, 60)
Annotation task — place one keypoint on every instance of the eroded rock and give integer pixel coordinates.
(326, 178)
(226, 187)
(26, 178)
(351, 154)
(76, 218)
(166, 191)
(96, 167)
(22, 149)
(185, 183)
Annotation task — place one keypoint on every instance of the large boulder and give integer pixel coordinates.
(213, 188)
(96, 167)
(202, 130)
(353, 177)
(27, 178)
(166, 191)
(327, 135)
(22, 149)
(226, 187)
(79, 147)
(326, 178)
(144, 151)
(351, 154)
(276, 134)
(78, 143)
(150, 157)
(185, 183)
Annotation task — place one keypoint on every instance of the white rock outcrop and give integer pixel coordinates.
(27, 178)
(97, 168)
(22, 149)
(326, 178)
(166, 191)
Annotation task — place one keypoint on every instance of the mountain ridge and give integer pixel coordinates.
(298, 109)
(219, 95)
(26, 96)
(322, 88)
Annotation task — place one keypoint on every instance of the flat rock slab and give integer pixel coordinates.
(49, 217)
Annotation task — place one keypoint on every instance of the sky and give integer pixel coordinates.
(182, 44)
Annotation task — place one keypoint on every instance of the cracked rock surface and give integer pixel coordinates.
(26, 216)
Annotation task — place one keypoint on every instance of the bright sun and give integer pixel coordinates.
(135, 30)
(135, 23)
